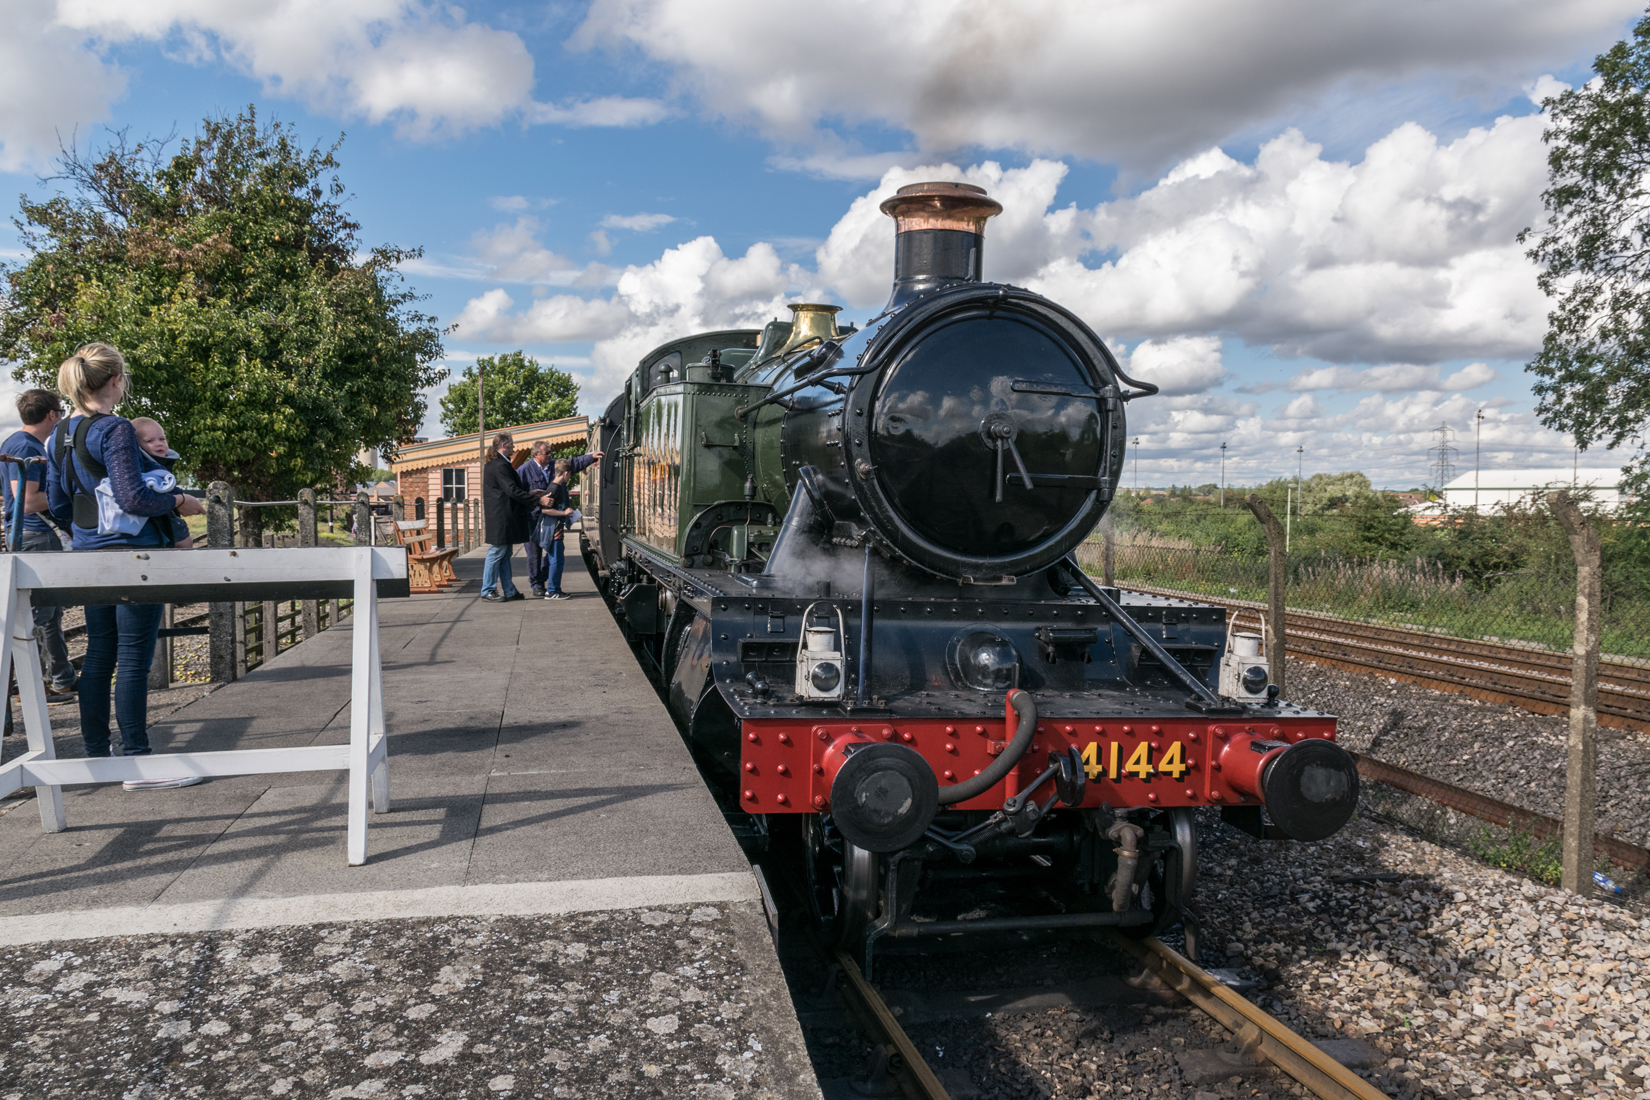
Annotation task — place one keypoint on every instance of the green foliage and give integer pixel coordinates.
(1506, 573)
(1593, 370)
(518, 391)
(258, 331)
(1520, 852)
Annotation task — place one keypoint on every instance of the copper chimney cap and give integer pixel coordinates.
(959, 206)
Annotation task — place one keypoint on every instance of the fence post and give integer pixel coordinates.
(1108, 552)
(1276, 578)
(1581, 770)
(271, 628)
(220, 534)
(363, 520)
(440, 525)
(307, 536)
(160, 673)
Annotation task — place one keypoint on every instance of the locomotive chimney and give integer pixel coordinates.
(939, 236)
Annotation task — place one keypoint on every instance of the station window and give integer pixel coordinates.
(452, 484)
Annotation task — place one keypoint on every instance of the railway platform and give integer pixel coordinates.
(553, 906)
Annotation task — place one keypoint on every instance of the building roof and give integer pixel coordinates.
(460, 449)
(1537, 477)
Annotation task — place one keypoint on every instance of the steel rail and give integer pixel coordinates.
(1261, 1035)
(915, 1078)
(1495, 672)
(1618, 851)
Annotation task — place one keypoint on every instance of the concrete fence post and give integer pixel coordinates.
(1108, 552)
(160, 673)
(220, 534)
(363, 520)
(1277, 561)
(309, 536)
(271, 629)
(1581, 770)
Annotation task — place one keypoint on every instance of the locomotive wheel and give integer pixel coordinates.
(1172, 879)
(842, 885)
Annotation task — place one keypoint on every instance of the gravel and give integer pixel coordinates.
(1468, 980)
(657, 1003)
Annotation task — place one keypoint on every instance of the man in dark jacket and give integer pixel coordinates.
(508, 508)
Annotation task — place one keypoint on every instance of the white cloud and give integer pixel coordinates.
(1408, 254)
(1394, 378)
(512, 253)
(1111, 80)
(1180, 365)
(690, 288)
(50, 82)
(640, 223)
(425, 68)
(518, 204)
(609, 110)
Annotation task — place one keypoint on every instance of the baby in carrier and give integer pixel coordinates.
(151, 439)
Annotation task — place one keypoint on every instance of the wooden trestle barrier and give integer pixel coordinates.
(161, 576)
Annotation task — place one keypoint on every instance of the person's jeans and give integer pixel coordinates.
(538, 564)
(558, 559)
(48, 621)
(122, 635)
(496, 570)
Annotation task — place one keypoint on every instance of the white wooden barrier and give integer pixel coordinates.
(166, 576)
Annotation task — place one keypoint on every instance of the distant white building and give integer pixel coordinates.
(1490, 489)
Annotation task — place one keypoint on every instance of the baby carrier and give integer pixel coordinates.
(95, 509)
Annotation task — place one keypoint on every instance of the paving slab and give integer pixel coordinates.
(533, 771)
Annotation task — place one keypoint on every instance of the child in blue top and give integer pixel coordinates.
(92, 442)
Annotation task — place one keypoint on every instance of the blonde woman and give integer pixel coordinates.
(91, 445)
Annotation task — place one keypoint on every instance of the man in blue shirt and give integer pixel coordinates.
(535, 475)
(40, 410)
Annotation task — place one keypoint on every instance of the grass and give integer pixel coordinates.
(1519, 852)
(1521, 607)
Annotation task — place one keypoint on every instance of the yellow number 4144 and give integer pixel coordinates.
(1172, 763)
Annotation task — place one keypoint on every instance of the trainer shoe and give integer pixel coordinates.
(513, 597)
(492, 597)
(558, 596)
(61, 695)
(160, 784)
(538, 593)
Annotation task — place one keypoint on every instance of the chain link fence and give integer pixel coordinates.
(1503, 578)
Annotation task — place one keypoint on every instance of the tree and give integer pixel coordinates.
(270, 344)
(517, 391)
(1594, 363)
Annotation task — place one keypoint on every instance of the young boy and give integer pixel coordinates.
(152, 438)
(559, 509)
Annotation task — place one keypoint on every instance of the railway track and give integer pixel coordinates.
(1260, 1036)
(1488, 809)
(1537, 680)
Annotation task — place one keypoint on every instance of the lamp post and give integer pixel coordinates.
(1300, 468)
(1477, 455)
(1136, 465)
(1223, 475)
(481, 420)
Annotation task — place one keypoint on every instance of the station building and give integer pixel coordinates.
(1490, 490)
(450, 469)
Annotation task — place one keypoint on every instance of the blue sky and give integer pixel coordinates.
(1297, 217)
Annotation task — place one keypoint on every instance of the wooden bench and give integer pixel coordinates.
(429, 567)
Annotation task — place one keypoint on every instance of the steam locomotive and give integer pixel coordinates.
(848, 554)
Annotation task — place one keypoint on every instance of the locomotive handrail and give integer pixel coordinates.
(1138, 633)
(812, 380)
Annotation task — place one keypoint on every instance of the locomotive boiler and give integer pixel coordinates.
(849, 555)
